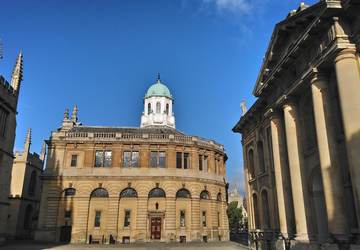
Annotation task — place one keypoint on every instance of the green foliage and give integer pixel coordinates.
(234, 214)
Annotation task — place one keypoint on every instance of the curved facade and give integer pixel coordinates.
(107, 185)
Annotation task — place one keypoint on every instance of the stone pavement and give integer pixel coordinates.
(30, 245)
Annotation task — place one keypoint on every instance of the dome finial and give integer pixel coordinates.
(158, 77)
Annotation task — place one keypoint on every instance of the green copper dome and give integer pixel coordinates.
(158, 89)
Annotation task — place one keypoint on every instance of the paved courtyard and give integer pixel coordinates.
(26, 245)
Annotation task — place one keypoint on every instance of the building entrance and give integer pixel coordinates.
(155, 228)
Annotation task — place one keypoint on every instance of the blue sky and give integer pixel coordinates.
(103, 55)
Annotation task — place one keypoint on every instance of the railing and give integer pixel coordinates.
(114, 136)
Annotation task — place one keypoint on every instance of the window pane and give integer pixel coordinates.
(178, 160)
(182, 218)
(107, 159)
(200, 162)
(204, 218)
(67, 214)
(153, 159)
(158, 107)
(135, 159)
(127, 218)
(186, 160)
(99, 159)
(97, 219)
(127, 159)
(73, 161)
(162, 159)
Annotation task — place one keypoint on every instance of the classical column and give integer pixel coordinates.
(283, 189)
(348, 83)
(295, 166)
(330, 169)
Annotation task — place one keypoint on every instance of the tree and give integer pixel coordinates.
(234, 215)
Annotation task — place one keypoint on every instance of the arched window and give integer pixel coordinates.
(218, 197)
(157, 193)
(265, 207)
(99, 192)
(149, 108)
(256, 211)
(251, 163)
(128, 193)
(158, 107)
(69, 192)
(28, 217)
(167, 109)
(204, 195)
(260, 149)
(32, 183)
(183, 193)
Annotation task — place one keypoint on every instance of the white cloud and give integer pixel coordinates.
(236, 6)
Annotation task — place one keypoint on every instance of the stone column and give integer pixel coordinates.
(283, 188)
(348, 83)
(295, 166)
(330, 168)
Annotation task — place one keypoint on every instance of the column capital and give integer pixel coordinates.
(272, 114)
(348, 53)
(285, 101)
(318, 78)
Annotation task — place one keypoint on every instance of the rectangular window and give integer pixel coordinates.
(103, 159)
(3, 120)
(200, 162)
(178, 160)
(186, 160)
(131, 159)
(127, 218)
(157, 159)
(218, 219)
(67, 214)
(203, 218)
(205, 163)
(182, 218)
(97, 222)
(73, 160)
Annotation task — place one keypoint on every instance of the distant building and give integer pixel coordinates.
(25, 192)
(301, 138)
(9, 95)
(146, 184)
(234, 196)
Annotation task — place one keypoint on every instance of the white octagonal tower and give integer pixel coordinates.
(158, 106)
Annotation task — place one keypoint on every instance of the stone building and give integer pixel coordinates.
(9, 94)
(119, 184)
(25, 191)
(301, 138)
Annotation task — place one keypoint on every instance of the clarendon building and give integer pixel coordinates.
(301, 137)
(119, 184)
(9, 96)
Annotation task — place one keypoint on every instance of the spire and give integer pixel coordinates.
(74, 117)
(66, 114)
(158, 77)
(43, 151)
(17, 74)
(27, 141)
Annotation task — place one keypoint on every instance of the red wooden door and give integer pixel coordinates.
(156, 228)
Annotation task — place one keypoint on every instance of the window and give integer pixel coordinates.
(149, 108)
(218, 198)
(73, 160)
(157, 193)
(32, 183)
(28, 217)
(204, 195)
(127, 218)
(167, 109)
(203, 161)
(131, 159)
(203, 218)
(251, 164)
(157, 159)
(67, 214)
(103, 159)
(158, 107)
(128, 193)
(182, 160)
(182, 218)
(97, 221)
(218, 219)
(260, 149)
(69, 192)
(265, 207)
(3, 119)
(183, 193)
(99, 192)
